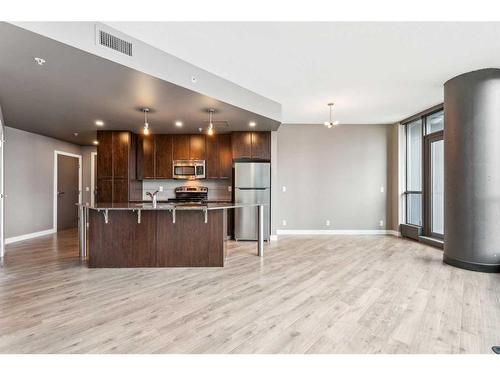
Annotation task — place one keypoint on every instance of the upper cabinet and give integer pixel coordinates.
(261, 145)
(146, 157)
(197, 147)
(251, 145)
(180, 146)
(225, 156)
(116, 166)
(104, 150)
(218, 156)
(163, 162)
(154, 157)
(241, 145)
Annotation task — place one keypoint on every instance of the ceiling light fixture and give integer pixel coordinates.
(39, 61)
(178, 124)
(252, 124)
(330, 124)
(146, 125)
(95, 142)
(210, 130)
(99, 122)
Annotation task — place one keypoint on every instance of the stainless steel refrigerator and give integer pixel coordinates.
(252, 184)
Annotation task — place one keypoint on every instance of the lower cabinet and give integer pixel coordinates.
(104, 190)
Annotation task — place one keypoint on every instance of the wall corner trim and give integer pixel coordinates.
(28, 236)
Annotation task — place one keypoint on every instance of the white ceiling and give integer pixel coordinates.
(374, 72)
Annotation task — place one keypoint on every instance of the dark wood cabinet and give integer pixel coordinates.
(219, 161)
(116, 167)
(251, 145)
(163, 156)
(146, 157)
(241, 145)
(197, 147)
(261, 145)
(104, 189)
(120, 150)
(180, 147)
(225, 156)
(212, 153)
(120, 190)
(104, 159)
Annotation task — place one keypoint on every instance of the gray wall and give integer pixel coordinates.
(334, 174)
(29, 181)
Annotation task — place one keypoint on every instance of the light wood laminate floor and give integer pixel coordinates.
(318, 294)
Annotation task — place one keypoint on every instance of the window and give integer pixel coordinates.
(434, 122)
(414, 172)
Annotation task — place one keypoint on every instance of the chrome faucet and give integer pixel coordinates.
(153, 197)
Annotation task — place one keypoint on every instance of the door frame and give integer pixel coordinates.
(427, 173)
(79, 157)
(92, 178)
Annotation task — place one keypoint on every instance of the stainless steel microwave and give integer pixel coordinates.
(188, 169)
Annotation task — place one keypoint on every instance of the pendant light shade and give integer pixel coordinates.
(210, 130)
(146, 124)
(330, 124)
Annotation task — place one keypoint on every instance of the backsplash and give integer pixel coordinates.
(217, 189)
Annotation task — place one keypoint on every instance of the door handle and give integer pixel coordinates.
(60, 193)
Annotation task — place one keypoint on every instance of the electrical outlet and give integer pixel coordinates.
(328, 223)
(381, 223)
(382, 189)
(87, 188)
(160, 188)
(283, 189)
(283, 222)
(229, 188)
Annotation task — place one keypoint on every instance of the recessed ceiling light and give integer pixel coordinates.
(95, 142)
(178, 123)
(252, 123)
(39, 61)
(99, 122)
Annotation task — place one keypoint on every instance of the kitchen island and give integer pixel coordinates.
(165, 235)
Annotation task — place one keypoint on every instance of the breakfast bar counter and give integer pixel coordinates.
(161, 235)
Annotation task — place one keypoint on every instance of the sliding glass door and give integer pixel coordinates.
(424, 173)
(434, 185)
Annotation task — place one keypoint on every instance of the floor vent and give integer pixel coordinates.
(108, 40)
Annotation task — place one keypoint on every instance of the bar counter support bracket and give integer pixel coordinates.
(205, 211)
(173, 216)
(138, 216)
(105, 214)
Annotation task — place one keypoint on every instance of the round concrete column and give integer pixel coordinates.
(472, 170)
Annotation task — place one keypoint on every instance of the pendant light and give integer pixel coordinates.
(210, 130)
(146, 125)
(330, 124)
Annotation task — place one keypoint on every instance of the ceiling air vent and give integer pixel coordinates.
(108, 40)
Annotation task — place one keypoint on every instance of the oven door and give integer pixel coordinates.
(184, 171)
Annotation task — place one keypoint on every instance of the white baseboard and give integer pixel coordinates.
(28, 236)
(394, 233)
(337, 231)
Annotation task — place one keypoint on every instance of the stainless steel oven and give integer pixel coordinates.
(188, 169)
